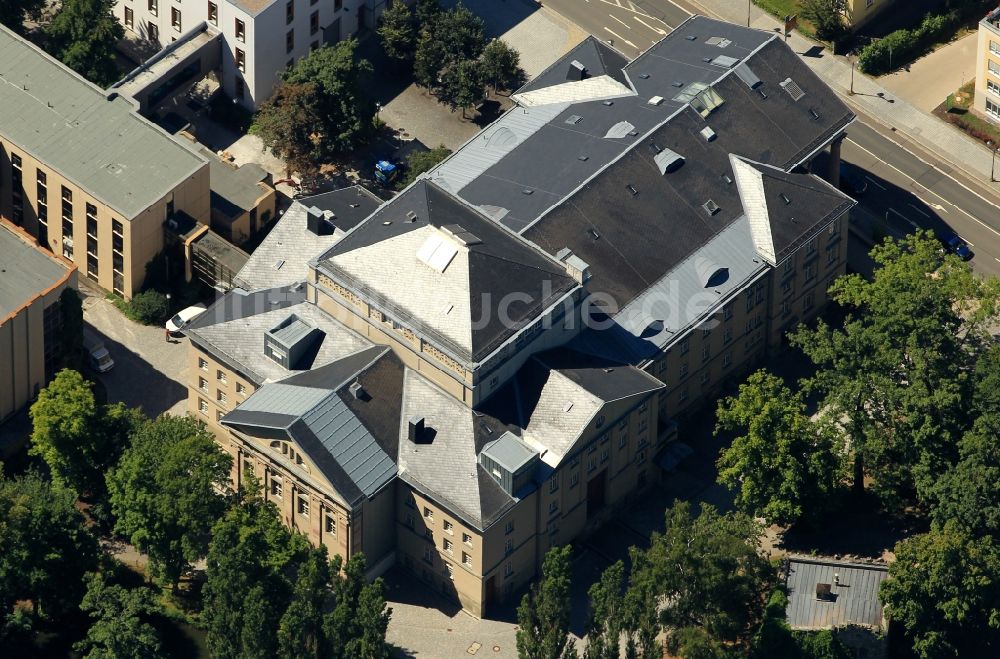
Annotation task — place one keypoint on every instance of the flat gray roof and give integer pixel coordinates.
(855, 600)
(25, 271)
(69, 124)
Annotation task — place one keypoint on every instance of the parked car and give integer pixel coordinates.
(954, 244)
(98, 356)
(176, 325)
(852, 180)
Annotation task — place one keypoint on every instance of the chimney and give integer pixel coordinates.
(576, 267)
(415, 429)
(577, 71)
(317, 222)
(357, 391)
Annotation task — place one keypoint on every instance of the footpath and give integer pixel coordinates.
(870, 97)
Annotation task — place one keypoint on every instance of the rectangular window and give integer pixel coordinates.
(213, 13)
(467, 539)
(727, 312)
(290, 41)
(428, 514)
(832, 253)
(203, 406)
(304, 506)
(727, 336)
(241, 388)
(428, 555)
(994, 47)
(508, 547)
(289, 12)
(203, 384)
(466, 559)
(727, 360)
(129, 18)
(241, 31)
(450, 571)
(16, 162)
(605, 455)
(705, 353)
(153, 9)
(684, 370)
(92, 226)
(220, 376)
(92, 266)
(509, 528)
(623, 441)
(554, 483)
(275, 486)
(220, 395)
(809, 300)
(448, 527)
(152, 30)
(314, 22)
(202, 364)
(241, 60)
(331, 525)
(175, 18)
(684, 346)
(449, 546)
(508, 570)
(574, 480)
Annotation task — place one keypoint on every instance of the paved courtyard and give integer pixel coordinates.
(928, 81)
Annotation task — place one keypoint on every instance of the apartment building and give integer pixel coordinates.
(987, 99)
(261, 38)
(33, 279)
(500, 358)
(82, 172)
(859, 12)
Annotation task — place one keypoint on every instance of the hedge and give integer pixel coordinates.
(903, 46)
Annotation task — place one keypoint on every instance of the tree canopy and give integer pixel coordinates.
(167, 492)
(828, 16)
(446, 39)
(318, 110)
(543, 615)
(78, 438)
(397, 31)
(14, 12)
(501, 65)
(84, 35)
(786, 465)
(44, 547)
(120, 626)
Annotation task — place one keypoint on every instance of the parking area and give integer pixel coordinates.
(150, 372)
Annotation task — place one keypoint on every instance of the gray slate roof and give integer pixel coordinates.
(71, 125)
(25, 271)
(293, 246)
(856, 603)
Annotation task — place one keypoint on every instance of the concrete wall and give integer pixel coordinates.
(22, 347)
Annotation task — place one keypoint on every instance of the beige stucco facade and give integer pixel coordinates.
(987, 98)
(30, 336)
(105, 245)
(860, 12)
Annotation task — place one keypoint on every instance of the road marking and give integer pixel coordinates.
(875, 183)
(636, 10)
(919, 211)
(996, 259)
(615, 18)
(619, 37)
(912, 223)
(654, 29)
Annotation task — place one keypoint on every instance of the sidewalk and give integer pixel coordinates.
(870, 97)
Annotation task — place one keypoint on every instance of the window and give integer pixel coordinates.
(684, 370)
(290, 41)
(727, 312)
(314, 24)
(175, 18)
(705, 353)
(448, 527)
(203, 384)
(809, 300)
(785, 308)
(467, 539)
(811, 247)
(220, 395)
(213, 13)
(993, 67)
(810, 273)
(203, 406)
(685, 344)
(241, 30)
(304, 506)
(289, 12)
(554, 483)
(508, 570)
(428, 514)
(553, 507)
(247, 466)
(449, 546)
(683, 395)
(153, 8)
(786, 287)
(92, 266)
(275, 486)
(152, 30)
(574, 480)
(727, 336)
(331, 524)
(202, 364)
(994, 47)
(450, 571)
(623, 441)
(509, 528)
(129, 18)
(338, 5)
(428, 556)
(591, 464)
(832, 253)
(241, 60)
(605, 454)
(220, 376)
(409, 521)
(508, 547)
(241, 389)
(789, 266)
(992, 108)
(727, 360)
(466, 559)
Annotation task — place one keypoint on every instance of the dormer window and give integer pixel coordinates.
(288, 450)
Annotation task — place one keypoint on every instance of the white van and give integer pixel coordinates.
(98, 356)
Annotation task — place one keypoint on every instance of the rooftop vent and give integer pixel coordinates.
(763, 94)
(677, 83)
(725, 61)
(644, 76)
(574, 119)
(792, 88)
(415, 430)
(317, 223)
(357, 391)
(577, 71)
(784, 198)
(608, 103)
(708, 133)
(619, 130)
(728, 179)
(749, 78)
(691, 37)
(277, 264)
(568, 406)
(527, 191)
(593, 234)
(668, 161)
(411, 216)
(655, 100)
(814, 114)
(511, 462)
(720, 42)
(292, 343)
(711, 207)
(631, 188)
(576, 267)
(583, 158)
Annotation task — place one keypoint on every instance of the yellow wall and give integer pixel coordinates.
(860, 12)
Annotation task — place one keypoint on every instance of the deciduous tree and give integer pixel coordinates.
(969, 493)
(397, 31)
(168, 491)
(543, 615)
(462, 85)
(828, 16)
(300, 631)
(944, 590)
(84, 35)
(501, 65)
(606, 618)
(120, 627)
(446, 39)
(786, 465)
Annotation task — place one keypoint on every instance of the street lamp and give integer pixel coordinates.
(852, 75)
(993, 162)
(748, 12)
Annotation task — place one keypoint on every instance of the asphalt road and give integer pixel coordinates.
(631, 26)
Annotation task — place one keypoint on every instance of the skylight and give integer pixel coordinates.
(437, 252)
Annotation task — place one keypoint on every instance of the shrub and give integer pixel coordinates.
(905, 45)
(149, 307)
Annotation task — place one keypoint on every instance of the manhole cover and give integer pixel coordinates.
(496, 648)
(474, 648)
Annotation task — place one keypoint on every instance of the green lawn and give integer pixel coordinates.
(782, 8)
(955, 110)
